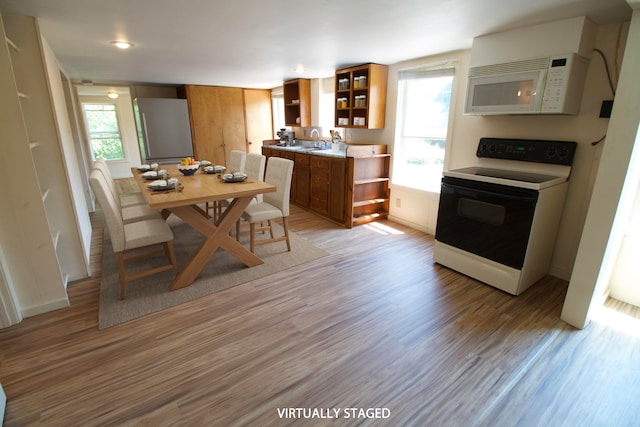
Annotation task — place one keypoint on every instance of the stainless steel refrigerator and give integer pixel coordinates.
(164, 132)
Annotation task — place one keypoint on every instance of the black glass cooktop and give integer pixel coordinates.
(506, 174)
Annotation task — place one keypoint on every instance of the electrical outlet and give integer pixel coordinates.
(398, 203)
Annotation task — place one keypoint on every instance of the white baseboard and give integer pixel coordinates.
(560, 272)
(410, 224)
(44, 308)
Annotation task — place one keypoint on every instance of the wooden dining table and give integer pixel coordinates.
(185, 202)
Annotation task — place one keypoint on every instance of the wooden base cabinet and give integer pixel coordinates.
(327, 186)
(350, 190)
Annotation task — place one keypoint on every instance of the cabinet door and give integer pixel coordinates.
(337, 190)
(234, 133)
(217, 121)
(294, 182)
(302, 172)
(206, 123)
(258, 117)
(319, 185)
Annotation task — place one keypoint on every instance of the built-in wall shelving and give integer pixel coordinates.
(45, 162)
(368, 197)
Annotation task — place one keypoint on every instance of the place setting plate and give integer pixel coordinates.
(233, 177)
(147, 168)
(214, 169)
(164, 184)
(154, 175)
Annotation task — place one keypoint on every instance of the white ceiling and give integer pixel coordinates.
(258, 43)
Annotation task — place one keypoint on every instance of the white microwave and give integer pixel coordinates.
(549, 85)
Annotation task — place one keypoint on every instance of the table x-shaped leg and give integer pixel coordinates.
(217, 236)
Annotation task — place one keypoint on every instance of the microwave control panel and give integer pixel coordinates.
(562, 91)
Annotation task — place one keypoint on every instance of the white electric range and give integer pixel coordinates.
(497, 220)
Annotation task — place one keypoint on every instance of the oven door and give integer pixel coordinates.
(490, 220)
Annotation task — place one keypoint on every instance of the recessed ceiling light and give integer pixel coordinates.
(300, 68)
(122, 44)
(112, 94)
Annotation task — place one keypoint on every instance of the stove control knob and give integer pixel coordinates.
(551, 152)
(563, 153)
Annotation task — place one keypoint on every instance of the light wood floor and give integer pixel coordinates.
(374, 325)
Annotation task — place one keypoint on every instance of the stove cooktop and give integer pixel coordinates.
(507, 177)
(524, 163)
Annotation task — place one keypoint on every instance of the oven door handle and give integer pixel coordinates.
(473, 191)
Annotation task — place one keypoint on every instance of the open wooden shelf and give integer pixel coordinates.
(297, 102)
(360, 96)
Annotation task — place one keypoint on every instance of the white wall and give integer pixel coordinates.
(419, 208)
(625, 278)
(75, 263)
(613, 193)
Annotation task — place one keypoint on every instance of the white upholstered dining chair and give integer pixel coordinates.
(274, 205)
(124, 200)
(254, 168)
(237, 163)
(125, 238)
(129, 213)
(237, 160)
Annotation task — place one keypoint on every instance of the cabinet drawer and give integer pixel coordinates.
(286, 155)
(302, 159)
(320, 162)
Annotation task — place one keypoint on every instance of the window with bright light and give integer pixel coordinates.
(424, 96)
(277, 107)
(103, 130)
(326, 107)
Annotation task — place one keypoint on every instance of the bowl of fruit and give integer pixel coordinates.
(188, 166)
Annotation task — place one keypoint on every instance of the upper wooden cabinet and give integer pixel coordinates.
(297, 102)
(227, 118)
(258, 117)
(217, 121)
(361, 96)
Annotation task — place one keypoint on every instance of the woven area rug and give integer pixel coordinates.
(223, 271)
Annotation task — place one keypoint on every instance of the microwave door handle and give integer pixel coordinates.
(471, 192)
(539, 96)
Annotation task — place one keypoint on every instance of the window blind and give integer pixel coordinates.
(425, 73)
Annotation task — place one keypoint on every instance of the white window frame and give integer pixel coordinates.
(432, 70)
(277, 107)
(120, 132)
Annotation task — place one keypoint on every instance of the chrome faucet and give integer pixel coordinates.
(317, 134)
